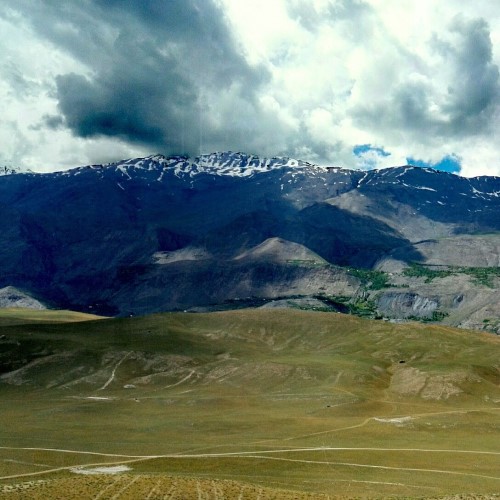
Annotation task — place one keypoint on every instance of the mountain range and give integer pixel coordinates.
(229, 230)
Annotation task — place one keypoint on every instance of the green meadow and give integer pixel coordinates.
(245, 404)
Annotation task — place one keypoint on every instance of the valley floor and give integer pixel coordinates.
(248, 404)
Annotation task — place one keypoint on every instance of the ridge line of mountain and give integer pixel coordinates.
(225, 163)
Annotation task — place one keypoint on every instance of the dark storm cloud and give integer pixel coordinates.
(150, 62)
(475, 92)
(466, 99)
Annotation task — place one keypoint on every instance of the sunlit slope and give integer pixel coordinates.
(280, 349)
(18, 316)
(317, 402)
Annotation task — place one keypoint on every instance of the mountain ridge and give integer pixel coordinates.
(221, 163)
(165, 233)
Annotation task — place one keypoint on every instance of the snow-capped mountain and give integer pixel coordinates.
(161, 233)
(220, 164)
(160, 168)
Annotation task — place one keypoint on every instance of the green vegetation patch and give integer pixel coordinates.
(435, 317)
(357, 306)
(371, 280)
(481, 275)
(420, 271)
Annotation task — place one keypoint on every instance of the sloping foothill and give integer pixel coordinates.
(136, 346)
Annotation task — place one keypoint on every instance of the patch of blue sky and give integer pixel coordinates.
(449, 164)
(361, 149)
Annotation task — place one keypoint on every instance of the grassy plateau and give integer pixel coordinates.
(245, 404)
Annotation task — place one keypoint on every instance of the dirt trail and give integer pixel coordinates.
(187, 377)
(69, 467)
(369, 419)
(136, 458)
(256, 454)
(112, 377)
(371, 466)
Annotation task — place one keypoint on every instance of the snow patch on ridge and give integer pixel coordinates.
(166, 169)
(228, 164)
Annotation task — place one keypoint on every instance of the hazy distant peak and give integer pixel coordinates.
(5, 170)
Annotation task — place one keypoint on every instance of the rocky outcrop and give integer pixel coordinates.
(12, 297)
(409, 381)
(405, 305)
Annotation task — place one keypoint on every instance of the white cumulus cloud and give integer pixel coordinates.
(307, 78)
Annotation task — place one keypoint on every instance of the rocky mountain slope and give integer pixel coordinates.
(228, 229)
(11, 297)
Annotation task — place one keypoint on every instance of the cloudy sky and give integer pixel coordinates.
(355, 83)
